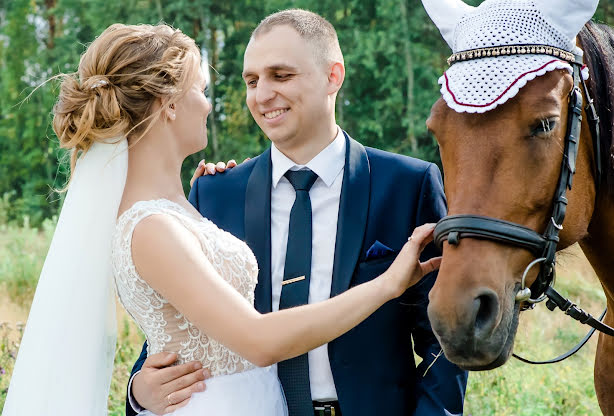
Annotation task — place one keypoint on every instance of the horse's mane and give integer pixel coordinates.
(597, 41)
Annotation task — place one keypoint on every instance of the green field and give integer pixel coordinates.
(516, 389)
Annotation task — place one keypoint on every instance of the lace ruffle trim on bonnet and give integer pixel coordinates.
(471, 88)
(480, 85)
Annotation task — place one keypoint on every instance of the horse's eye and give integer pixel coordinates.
(544, 126)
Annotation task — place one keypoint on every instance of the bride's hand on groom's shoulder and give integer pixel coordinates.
(162, 389)
(204, 168)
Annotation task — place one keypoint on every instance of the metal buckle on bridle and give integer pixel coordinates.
(524, 294)
(557, 226)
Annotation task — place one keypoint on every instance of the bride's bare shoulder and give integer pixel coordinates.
(160, 242)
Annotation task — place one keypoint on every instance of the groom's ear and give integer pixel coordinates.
(336, 76)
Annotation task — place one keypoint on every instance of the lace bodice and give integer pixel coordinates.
(166, 328)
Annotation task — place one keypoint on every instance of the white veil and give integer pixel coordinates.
(65, 360)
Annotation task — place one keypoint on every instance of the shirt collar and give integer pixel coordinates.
(327, 164)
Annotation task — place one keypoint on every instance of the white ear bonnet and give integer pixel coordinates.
(479, 85)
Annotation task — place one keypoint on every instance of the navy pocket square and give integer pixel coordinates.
(378, 250)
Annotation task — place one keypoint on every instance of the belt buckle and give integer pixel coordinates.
(324, 410)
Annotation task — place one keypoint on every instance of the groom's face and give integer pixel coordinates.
(287, 86)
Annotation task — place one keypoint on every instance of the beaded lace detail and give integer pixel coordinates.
(164, 326)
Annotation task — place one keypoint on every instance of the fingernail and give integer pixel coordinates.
(206, 373)
(197, 366)
(201, 163)
(201, 386)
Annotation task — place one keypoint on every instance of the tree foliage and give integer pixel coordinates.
(393, 53)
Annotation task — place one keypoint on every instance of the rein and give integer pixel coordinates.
(543, 246)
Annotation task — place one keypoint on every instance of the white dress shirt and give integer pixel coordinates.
(324, 194)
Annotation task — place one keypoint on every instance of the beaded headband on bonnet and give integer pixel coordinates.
(502, 44)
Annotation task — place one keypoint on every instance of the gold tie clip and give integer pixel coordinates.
(293, 280)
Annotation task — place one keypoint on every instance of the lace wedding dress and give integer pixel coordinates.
(237, 387)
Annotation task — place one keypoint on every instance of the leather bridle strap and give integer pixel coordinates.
(454, 227)
(593, 125)
(555, 300)
(569, 353)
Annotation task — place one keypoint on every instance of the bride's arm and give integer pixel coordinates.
(170, 259)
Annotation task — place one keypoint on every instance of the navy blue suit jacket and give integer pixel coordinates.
(384, 196)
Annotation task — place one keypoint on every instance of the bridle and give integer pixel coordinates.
(453, 228)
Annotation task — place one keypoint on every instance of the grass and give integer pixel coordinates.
(515, 389)
(22, 254)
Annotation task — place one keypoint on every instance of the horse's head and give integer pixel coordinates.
(502, 163)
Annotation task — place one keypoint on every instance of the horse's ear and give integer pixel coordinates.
(446, 14)
(568, 16)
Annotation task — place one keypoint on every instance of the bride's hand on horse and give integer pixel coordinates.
(162, 389)
(407, 270)
(204, 168)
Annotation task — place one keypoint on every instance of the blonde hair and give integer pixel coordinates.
(310, 26)
(120, 75)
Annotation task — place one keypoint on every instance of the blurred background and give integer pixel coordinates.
(394, 56)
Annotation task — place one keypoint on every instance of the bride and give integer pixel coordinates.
(133, 114)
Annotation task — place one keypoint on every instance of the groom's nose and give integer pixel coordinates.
(264, 91)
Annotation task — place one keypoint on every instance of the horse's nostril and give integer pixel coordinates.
(486, 308)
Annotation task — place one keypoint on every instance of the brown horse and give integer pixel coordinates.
(505, 164)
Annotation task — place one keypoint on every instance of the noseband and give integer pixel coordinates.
(453, 228)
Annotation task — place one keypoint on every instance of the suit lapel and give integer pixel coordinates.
(352, 219)
(258, 227)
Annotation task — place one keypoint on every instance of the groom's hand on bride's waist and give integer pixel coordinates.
(161, 389)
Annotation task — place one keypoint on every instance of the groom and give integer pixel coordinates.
(364, 203)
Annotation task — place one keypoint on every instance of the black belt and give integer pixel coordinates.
(326, 408)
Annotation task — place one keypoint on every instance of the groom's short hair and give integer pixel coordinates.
(311, 27)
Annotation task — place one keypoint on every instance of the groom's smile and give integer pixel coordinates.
(275, 114)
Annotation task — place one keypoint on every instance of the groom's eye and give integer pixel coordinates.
(282, 77)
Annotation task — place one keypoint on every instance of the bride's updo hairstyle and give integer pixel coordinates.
(120, 76)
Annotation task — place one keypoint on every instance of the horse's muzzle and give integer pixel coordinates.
(479, 336)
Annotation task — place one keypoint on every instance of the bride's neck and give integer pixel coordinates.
(154, 168)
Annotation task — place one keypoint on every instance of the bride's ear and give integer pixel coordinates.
(168, 110)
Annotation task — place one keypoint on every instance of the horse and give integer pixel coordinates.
(506, 164)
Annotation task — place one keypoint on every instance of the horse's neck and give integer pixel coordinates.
(598, 249)
(598, 245)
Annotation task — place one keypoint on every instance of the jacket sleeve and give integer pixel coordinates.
(130, 411)
(441, 385)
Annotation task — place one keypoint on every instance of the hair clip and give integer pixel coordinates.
(100, 83)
